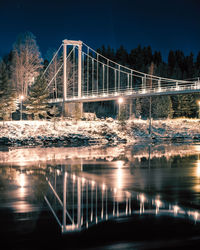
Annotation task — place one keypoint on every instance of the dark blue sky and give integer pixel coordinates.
(162, 24)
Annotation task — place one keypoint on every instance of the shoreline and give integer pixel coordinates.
(105, 132)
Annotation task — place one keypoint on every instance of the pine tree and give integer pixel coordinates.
(157, 58)
(171, 62)
(147, 56)
(110, 53)
(138, 108)
(162, 107)
(197, 66)
(187, 106)
(189, 66)
(8, 100)
(122, 116)
(122, 55)
(36, 104)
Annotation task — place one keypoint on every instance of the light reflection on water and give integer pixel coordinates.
(78, 203)
(88, 202)
(22, 180)
(112, 182)
(198, 169)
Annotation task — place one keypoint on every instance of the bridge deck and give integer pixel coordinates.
(130, 94)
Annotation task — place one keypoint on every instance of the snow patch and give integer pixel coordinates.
(109, 131)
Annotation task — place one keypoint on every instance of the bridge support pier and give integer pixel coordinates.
(73, 110)
(65, 56)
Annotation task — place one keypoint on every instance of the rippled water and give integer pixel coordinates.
(102, 184)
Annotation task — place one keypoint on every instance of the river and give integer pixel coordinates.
(135, 197)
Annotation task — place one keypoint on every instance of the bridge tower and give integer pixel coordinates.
(69, 107)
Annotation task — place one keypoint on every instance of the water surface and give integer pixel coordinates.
(169, 174)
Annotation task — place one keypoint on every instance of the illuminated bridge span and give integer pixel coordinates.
(77, 73)
(78, 203)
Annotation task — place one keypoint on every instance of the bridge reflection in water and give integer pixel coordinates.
(78, 203)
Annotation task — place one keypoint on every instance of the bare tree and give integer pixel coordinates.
(53, 74)
(72, 78)
(26, 62)
(54, 77)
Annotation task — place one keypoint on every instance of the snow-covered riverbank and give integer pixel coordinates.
(103, 132)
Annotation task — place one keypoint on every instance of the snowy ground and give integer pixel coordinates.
(109, 131)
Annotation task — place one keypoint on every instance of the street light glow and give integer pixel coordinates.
(120, 100)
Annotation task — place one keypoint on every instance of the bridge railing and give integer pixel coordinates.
(128, 92)
(171, 87)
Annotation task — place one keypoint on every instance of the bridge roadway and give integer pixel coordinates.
(128, 93)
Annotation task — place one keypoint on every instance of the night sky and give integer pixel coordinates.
(164, 25)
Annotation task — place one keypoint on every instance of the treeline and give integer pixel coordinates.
(22, 87)
(178, 66)
(21, 81)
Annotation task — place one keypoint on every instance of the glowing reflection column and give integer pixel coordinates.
(115, 190)
(92, 190)
(83, 183)
(96, 206)
(79, 202)
(102, 205)
(106, 204)
(196, 215)
(87, 204)
(64, 200)
(158, 205)
(128, 203)
(142, 199)
(74, 179)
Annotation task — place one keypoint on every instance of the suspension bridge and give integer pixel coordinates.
(78, 73)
